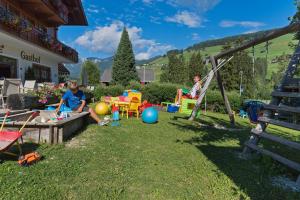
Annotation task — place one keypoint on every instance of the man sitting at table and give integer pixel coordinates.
(76, 100)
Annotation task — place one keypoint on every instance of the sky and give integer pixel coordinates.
(156, 26)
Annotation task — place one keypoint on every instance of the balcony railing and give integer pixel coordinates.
(22, 28)
(58, 7)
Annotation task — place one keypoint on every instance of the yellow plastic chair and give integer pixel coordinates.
(133, 107)
(137, 95)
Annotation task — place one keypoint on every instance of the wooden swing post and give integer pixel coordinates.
(213, 59)
(208, 79)
(222, 90)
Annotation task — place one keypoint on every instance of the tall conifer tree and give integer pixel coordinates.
(164, 77)
(123, 70)
(296, 18)
(177, 69)
(195, 66)
(231, 73)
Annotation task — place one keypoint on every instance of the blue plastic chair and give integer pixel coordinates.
(253, 108)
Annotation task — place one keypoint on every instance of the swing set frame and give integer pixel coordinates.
(217, 64)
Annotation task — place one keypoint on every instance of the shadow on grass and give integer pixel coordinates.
(251, 180)
(212, 121)
(209, 133)
(26, 147)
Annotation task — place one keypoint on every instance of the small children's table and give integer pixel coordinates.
(165, 103)
(123, 105)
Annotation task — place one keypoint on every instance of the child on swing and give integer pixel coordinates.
(190, 94)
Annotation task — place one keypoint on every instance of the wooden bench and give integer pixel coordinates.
(281, 159)
(294, 145)
(282, 108)
(279, 123)
(286, 94)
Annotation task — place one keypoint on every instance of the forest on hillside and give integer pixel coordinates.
(227, 40)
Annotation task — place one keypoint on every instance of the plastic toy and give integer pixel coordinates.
(243, 114)
(50, 108)
(144, 105)
(254, 109)
(172, 108)
(9, 138)
(134, 105)
(101, 108)
(150, 115)
(29, 159)
(187, 106)
(116, 116)
(65, 108)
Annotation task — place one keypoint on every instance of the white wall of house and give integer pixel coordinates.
(13, 48)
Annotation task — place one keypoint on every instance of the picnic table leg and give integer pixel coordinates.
(10, 154)
(19, 147)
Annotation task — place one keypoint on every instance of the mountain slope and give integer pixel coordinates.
(75, 69)
(103, 64)
(277, 47)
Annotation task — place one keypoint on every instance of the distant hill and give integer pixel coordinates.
(104, 63)
(277, 47)
(230, 39)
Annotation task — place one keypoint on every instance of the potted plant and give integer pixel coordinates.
(26, 26)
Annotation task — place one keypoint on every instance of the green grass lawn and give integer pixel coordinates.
(173, 159)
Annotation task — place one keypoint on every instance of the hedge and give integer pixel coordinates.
(157, 93)
(160, 92)
(215, 101)
(114, 90)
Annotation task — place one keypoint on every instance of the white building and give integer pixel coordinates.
(29, 39)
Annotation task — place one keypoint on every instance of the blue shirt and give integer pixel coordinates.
(73, 100)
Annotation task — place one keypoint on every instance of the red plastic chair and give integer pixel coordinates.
(8, 139)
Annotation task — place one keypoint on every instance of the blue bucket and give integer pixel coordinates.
(172, 109)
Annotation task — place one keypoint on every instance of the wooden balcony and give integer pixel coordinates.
(23, 30)
(47, 11)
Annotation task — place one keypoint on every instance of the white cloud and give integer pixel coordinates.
(187, 18)
(155, 20)
(105, 39)
(147, 1)
(196, 5)
(245, 24)
(93, 10)
(153, 50)
(192, 16)
(251, 31)
(195, 37)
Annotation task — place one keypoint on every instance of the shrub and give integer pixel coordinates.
(135, 85)
(157, 93)
(216, 103)
(114, 90)
(160, 92)
(88, 94)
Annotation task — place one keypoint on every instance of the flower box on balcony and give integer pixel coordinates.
(2, 13)
(26, 26)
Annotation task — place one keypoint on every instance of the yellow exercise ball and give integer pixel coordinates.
(101, 108)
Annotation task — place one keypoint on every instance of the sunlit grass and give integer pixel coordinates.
(173, 159)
